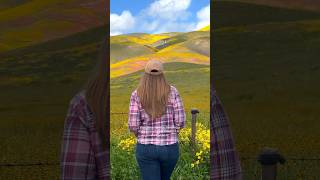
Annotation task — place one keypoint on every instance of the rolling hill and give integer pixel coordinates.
(192, 47)
(207, 28)
(65, 60)
(313, 5)
(266, 72)
(25, 22)
(133, 45)
(5, 4)
(248, 14)
(197, 83)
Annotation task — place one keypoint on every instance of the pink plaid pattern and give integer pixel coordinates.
(225, 162)
(159, 131)
(81, 152)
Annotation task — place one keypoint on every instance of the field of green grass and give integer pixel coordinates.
(266, 71)
(37, 84)
(194, 90)
(25, 22)
(233, 13)
(181, 70)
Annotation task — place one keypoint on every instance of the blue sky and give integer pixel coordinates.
(158, 16)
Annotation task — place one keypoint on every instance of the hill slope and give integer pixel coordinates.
(239, 13)
(313, 5)
(5, 4)
(27, 22)
(266, 71)
(194, 96)
(62, 60)
(192, 47)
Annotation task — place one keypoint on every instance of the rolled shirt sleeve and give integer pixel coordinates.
(179, 113)
(134, 114)
(77, 160)
(225, 162)
(82, 155)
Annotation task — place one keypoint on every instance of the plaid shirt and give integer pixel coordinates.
(81, 152)
(159, 131)
(225, 163)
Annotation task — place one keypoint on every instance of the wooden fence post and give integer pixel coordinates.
(193, 129)
(269, 159)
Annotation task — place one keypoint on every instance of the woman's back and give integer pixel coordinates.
(161, 130)
(156, 115)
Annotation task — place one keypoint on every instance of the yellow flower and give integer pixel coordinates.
(127, 144)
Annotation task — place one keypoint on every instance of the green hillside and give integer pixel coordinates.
(189, 47)
(134, 44)
(6, 4)
(25, 22)
(266, 71)
(267, 74)
(313, 5)
(132, 49)
(62, 60)
(248, 14)
(200, 45)
(194, 90)
(206, 28)
(36, 86)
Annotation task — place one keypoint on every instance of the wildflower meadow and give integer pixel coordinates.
(192, 163)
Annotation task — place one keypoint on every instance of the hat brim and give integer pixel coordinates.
(155, 73)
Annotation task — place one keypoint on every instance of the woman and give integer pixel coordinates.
(85, 146)
(156, 115)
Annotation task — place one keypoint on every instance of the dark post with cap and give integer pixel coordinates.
(269, 159)
(193, 128)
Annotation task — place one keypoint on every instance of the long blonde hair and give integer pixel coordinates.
(97, 93)
(153, 91)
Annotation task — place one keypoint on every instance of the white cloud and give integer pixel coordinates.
(165, 16)
(169, 9)
(159, 17)
(203, 16)
(150, 26)
(175, 27)
(122, 23)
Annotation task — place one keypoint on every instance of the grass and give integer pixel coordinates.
(122, 158)
(37, 84)
(190, 88)
(178, 49)
(5, 4)
(140, 47)
(25, 23)
(32, 123)
(194, 92)
(134, 64)
(275, 82)
(206, 28)
(266, 74)
(265, 71)
(25, 9)
(233, 13)
(132, 49)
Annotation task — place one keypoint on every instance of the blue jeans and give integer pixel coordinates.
(157, 162)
